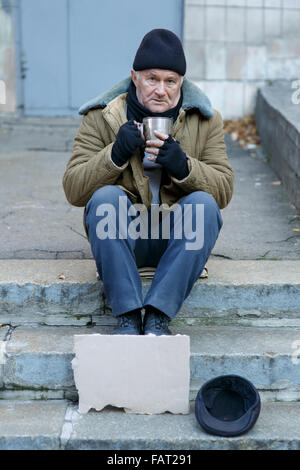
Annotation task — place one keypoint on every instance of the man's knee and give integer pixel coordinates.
(205, 203)
(201, 197)
(107, 194)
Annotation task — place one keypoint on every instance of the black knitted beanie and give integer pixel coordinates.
(160, 49)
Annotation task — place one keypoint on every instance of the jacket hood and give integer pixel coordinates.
(193, 97)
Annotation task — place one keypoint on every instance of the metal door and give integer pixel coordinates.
(71, 50)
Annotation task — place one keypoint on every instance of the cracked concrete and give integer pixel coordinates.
(236, 291)
(38, 222)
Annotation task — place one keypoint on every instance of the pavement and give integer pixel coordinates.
(39, 223)
(243, 319)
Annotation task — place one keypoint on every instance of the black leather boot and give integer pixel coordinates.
(156, 323)
(129, 323)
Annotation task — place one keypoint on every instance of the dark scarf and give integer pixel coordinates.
(135, 110)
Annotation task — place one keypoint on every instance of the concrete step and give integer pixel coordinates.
(53, 134)
(66, 292)
(56, 424)
(35, 362)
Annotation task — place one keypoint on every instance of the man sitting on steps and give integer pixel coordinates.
(114, 173)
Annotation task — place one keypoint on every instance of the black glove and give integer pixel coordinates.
(173, 158)
(127, 141)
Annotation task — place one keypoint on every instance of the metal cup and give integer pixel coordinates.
(161, 124)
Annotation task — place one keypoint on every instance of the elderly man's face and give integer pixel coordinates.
(157, 89)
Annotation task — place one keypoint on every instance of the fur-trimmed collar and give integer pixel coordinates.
(193, 97)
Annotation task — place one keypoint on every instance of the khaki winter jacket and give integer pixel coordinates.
(198, 129)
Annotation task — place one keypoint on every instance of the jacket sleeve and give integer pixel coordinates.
(212, 173)
(90, 166)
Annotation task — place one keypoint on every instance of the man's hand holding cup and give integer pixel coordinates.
(167, 152)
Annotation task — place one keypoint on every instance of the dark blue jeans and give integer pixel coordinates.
(179, 259)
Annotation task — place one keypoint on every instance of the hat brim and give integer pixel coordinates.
(227, 428)
(219, 427)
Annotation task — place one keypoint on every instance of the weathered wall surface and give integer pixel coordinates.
(7, 58)
(233, 47)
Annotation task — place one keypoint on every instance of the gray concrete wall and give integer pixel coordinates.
(277, 118)
(233, 47)
(7, 58)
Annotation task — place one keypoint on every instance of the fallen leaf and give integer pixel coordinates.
(61, 276)
(5, 131)
(276, 183)
(296, 229)
(243, 129)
